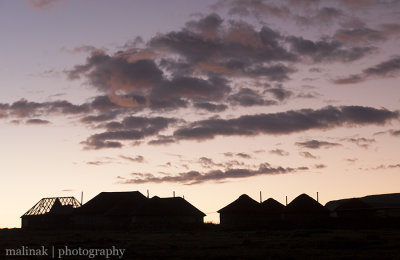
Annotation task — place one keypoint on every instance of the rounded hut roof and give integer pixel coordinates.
(304, 204)
(243, 205)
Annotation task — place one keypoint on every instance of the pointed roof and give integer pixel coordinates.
(175, 206)
(304, 204)
(112, 203)
(243, 205)
(272, 206)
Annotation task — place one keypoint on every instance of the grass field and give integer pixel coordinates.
(216, 243)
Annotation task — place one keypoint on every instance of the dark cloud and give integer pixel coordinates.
(207, 25)
(37, 121)
(213, 89)
(25, 108)
(103, 103)
(247, 97)
(211, 107)
(195, 177)
(315, 144)
(280, 93)
(286, 122)
(389, 68)
(327, 50)
(320, 166)
(359, 35)
(237, 50)
(279, 152)
(162, 140)
(243, 155)
(99, 118)
(130, 128)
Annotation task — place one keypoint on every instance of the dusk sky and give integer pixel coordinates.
(210, 99)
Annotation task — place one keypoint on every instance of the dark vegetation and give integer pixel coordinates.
(215, 242)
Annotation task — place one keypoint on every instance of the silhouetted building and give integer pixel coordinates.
(167, 212)
(354, 209)
(383, 206)
(109, 210)
(242, 212)
(305, 210)
(122, 210)
(272, 211)
(50, 213)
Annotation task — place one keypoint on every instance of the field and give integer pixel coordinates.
(214, 243)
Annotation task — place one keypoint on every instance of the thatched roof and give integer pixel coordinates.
(304, 204)
(175, 206)
(243, 205)
(272, 206)
(112, 203)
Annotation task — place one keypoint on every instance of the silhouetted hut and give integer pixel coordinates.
(167, 212)
(242, 212)
(304, 209)
(354, 209)
(109, 210)
(272, 211)
(50, 213)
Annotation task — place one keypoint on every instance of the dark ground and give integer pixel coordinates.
(215, 243)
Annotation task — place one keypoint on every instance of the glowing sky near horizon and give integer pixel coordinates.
(210, 99)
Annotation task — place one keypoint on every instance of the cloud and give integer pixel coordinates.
(361, 142)
(359, 35)
(99, 118)
(285, 122)
(388, 68)
(132, 128)
(36, 121)
(244, 155)
(315, 144)
(320, 166)
(395, 132)
(280, 93)
(327, 50)
(137, 159)
(162, 140)
(308, 155)
(279, 152)
(43, 4)
(324, 15)
(206, 162)
(255, 8)
(235, 50)
(247, 97)
(25, 108)
(211, 107)
(195, 177)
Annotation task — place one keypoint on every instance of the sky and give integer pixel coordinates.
(207, 99)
